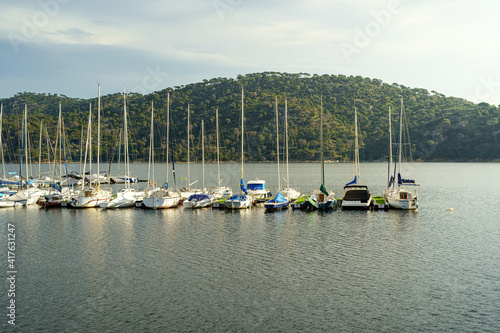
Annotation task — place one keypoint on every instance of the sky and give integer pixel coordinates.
(68, 46)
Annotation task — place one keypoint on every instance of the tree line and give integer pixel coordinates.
(441, 128)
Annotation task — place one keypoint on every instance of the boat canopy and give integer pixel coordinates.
(279, 198)
(355, 181)
(256, 185)
(235, 197)
(8, 182)
(242, 186)
(323, 190)
(360, 193)
(199, 197)
(57, 187)
(402, 181)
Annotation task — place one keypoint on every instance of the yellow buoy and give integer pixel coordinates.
(451, 209)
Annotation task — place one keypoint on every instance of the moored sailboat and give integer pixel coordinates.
(321, 199)
(404, 195)
(288, 192)
(127, 196)
(356, 196)
(160, 197)
(94, 195)
(219, 191)
(279, 202)
(240, 201)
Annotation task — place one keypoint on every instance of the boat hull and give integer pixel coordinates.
(237, 204)
(276, 206)
(160, 203)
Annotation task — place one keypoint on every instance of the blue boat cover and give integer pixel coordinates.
(242, 186)
(402, 181)
(57, 187)
(199, 197)
(255, 187)
(8, 182)
(391, 181)
(279, 198)
(355, 181)
(237, 197)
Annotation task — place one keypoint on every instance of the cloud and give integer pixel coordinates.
(447, 46)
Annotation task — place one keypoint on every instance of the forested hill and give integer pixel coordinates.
(441, 128)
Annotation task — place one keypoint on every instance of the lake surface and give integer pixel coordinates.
(178, 270)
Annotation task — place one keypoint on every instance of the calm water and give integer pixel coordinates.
(177, 270)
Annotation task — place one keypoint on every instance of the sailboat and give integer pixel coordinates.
(405, 194)
(243, 200)
(186, 191)
(200, 200)
(160, 197)
(95, 194)
(321, 199)
(28, 196)
(126, 197)
(62, 191)
(279, 202)
(219, 191)
(356, 196)
(288, 192)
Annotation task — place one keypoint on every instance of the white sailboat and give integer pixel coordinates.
(200, 200)
(279, 202)
(62, 190)
(288, 192)
(28, 196)
(126, 197)
(95, 194)
(405, 194)
(159, 197)
(219, 191)
(240, 201)
(321, 199)
(356, 196)
(187, 191)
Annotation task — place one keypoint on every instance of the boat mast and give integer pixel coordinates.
(98, 131)
(356, 146)
(168, 128)
(322, 157)
(278, 146)
(81, 149)
(63, 138)
(203, 153)
(1, 143)
(59, 134)
(188, 153)
(88, 144)
(286, 143)
(26, 144)
(242, 131)
(217, 130)
(152, 146)
(125, 141)
(400, 135)
(56, 146)
(40, 149)
(390, 148)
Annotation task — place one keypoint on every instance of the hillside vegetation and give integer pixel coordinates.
(441, 128)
